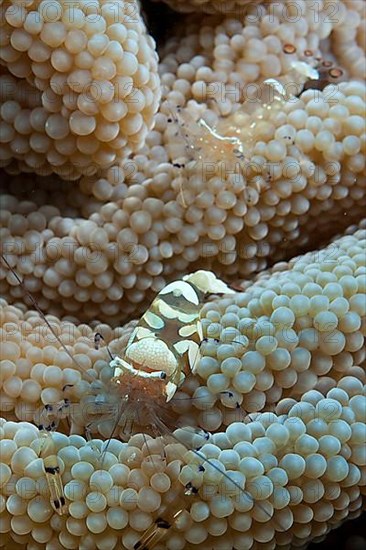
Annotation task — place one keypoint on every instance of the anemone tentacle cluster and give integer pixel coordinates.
(299, 327)
(232, 222)
(349, 40)
(79, 87)
(302, 470)
(291, 351)
(143, 221)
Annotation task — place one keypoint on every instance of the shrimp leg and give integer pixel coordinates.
(52, 470)
(172, 510)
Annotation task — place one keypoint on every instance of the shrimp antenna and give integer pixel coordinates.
(43, 316)
(97, 338)
(115, 426)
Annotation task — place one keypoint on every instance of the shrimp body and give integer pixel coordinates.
(164, 347)
(161, 352)
(203, 142)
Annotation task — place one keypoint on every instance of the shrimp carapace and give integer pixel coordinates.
(164, 346)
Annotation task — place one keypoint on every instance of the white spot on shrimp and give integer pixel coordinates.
(139, 333)
(182, 346)
(154, 320)
(187, 330)
(180, 288)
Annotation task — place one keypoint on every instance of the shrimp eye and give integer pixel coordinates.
(48, 407)
(163, 375)
(41, 427)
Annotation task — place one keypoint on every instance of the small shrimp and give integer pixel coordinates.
(226, 148)
(162, 350)
(203, 142)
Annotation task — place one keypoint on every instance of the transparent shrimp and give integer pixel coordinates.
(226, 148)
(207, 149)
(211, 145)
(200, 137)
(160, 353)
(196, 146)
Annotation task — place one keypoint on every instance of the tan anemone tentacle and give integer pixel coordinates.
(290, 347)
